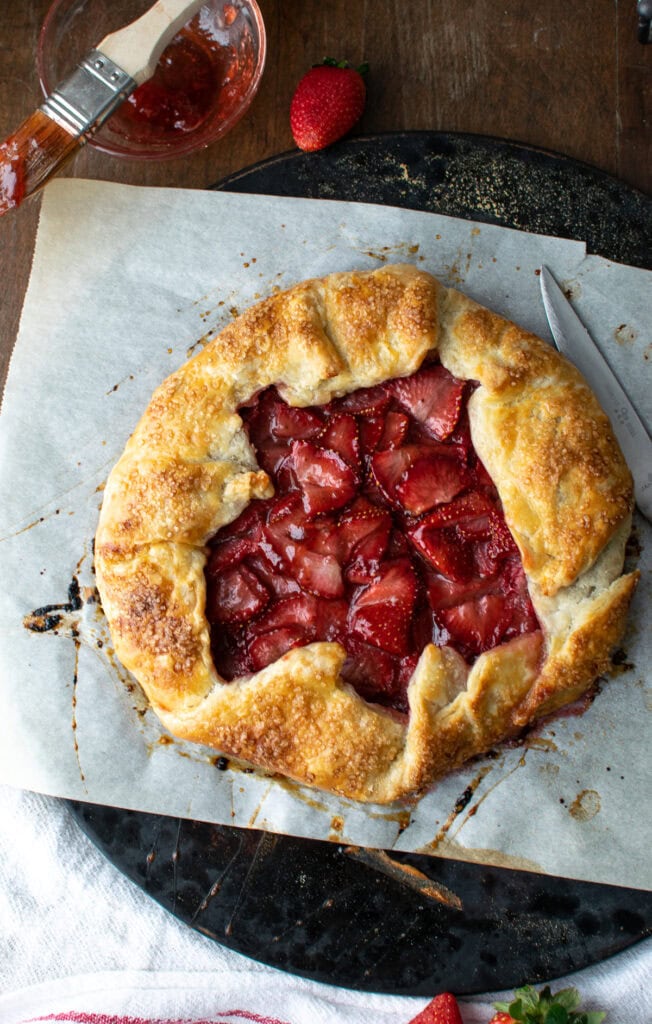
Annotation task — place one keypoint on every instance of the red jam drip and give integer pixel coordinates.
(385, 534)
(197, 77)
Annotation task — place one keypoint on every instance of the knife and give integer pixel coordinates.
(572, 338)
(53, 134)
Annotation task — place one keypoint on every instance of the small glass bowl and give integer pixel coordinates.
(212, 71)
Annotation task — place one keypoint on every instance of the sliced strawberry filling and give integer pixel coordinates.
(385, 534)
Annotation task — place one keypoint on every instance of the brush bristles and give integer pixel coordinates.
(32, 155)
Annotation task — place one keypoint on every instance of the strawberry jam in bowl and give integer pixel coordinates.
(385, 534)
(203, 84)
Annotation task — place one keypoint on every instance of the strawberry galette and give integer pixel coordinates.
(371, 530)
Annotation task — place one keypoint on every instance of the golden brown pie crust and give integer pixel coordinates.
(188, 469)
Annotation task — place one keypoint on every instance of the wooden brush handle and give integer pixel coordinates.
(137, 47)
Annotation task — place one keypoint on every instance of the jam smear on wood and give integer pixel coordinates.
(385, 534)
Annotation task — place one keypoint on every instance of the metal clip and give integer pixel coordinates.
(89, 96)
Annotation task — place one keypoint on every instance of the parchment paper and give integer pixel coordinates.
(126, 282)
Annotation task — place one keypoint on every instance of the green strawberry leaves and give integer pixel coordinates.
(532, 1007)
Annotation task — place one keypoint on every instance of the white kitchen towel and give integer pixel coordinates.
(80, 942)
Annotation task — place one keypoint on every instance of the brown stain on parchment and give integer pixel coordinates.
(625, 335)
(478, 855)
(64, 617)
(49, 617)
(572, 289)
(401, 250)
(458, 807)
(73, 719)
(586, 805)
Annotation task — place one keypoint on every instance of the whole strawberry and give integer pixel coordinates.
(544, 1007)
(443, 1009)
(326, 104)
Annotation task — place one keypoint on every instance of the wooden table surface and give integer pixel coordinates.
(569, 77)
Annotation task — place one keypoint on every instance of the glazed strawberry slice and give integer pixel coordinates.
(251, 517)
(357, 523)
(418, 478)
(276, 460)
(399, 547)
(477, 625)
(433, 397)
(431, 480)
(331, 619)
(278, 583)
(370, 670)
(308, 554)
(441, 547)
(283, 531)
(292, 423)
(318, 574)
(230, 651)
(364, 564)
(271, 420)
(324, 536)
(461, 437)
(467, 506)
(371, 429)
(300, 611)
(341, 437)
(326, 481)
(233, 546)
(315, 618)
(445, 593)
(380, 613)
(395, 430)
(406, 667)
(365, 401)
(483, 479)
(237, 595)
(389, 467)
(287, 505)
(229, 552)
(269, 647)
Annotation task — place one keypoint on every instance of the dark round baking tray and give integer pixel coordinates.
(471, 176)
(320, 909)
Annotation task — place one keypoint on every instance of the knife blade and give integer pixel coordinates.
(574, 341)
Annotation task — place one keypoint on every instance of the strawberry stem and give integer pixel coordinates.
(331, 62)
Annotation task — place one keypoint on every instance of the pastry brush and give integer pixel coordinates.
(82, 103)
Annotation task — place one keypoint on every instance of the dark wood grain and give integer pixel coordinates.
(567, 77)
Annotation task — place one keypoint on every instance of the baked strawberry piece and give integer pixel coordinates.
(385, 534)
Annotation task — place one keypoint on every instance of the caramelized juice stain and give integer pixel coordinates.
(24, 529)
(300, 793)
(73, 718)
(336, 829)
(200, 343)
(405, 874)
(402, 816)
(459, 806)
(49, 616)
(455, 851)
(401, 249)
(120, 382)
(586, 805)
